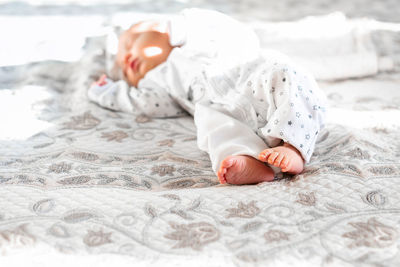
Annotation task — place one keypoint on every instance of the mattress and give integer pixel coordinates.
(81, 185)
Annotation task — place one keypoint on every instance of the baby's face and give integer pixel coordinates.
(140, 49)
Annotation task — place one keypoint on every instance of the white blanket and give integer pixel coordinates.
(332, 47)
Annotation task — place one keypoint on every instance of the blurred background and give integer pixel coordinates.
(271, 10)
(34, 30)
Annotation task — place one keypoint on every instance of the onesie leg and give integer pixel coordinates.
(295, 114)
(286, 157)
(244, 170)
(225, 138)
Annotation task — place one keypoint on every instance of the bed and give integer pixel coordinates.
(84, 185)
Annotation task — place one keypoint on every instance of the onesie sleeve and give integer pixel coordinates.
(119, 96)
(211, 36)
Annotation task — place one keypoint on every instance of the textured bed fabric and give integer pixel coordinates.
(81, 185)
(98, 182)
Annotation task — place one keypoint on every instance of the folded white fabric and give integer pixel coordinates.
(332, 47)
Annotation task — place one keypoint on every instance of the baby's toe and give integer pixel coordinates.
(285, 164)
(263, 156)
(278, 160)
(221, 175)
(223, 169)
(272, 157)
(287, 168)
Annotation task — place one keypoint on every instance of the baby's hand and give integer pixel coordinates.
(100, 87)
(101, 81)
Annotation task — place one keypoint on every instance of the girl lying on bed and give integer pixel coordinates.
(257, 115)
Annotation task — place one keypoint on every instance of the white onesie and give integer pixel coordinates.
(243, 101)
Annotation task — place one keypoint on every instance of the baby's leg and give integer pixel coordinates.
(286, 157)
(244, 170)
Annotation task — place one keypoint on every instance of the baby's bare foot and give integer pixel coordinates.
(244, 170)
(286, 157)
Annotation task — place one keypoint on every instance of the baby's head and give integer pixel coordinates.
(141, 48)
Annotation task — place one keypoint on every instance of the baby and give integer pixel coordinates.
(257, 115)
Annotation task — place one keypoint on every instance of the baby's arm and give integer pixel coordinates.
(119, 96)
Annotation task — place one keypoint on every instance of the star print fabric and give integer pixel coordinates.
(296, 110)
(259, 105)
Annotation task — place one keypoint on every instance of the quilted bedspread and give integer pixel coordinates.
(108, 187)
